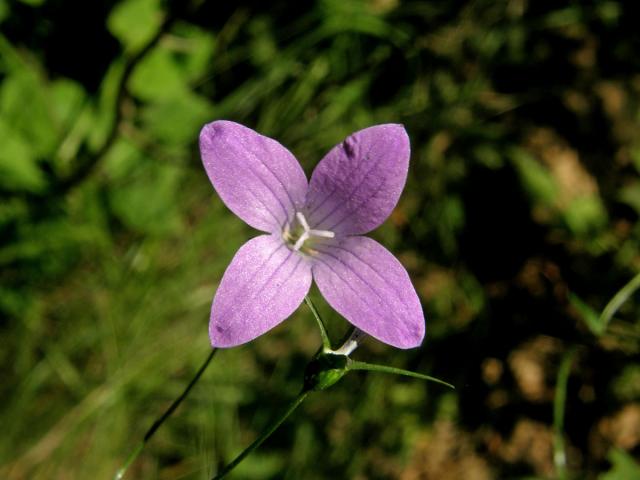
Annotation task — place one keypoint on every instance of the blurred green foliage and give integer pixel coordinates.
(518, 224)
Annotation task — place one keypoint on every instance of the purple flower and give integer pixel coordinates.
(313, 231)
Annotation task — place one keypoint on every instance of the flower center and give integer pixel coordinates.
(301, 232)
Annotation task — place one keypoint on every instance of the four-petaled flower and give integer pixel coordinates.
(313, 231)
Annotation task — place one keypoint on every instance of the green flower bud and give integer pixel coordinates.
(325, 370)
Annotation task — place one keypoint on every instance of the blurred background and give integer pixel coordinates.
(518, 225)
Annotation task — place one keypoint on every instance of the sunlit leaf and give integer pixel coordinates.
(158, 77)
(589, 315)
(630, 195)
(194, 48)
(4, 10)
(135, 22)
(178, 120)
(535, 178)
(106, 108)
(585, 215)
(67, 99)
(624, 466)
(33, 3)
(145, 202)
(24, 103)
(19, 169)
(122, 159)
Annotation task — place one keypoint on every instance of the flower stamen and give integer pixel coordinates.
(301, 241)
(306, 234)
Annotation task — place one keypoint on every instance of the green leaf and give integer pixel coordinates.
(634, 153)
(33, 3)
(559, 408)
(177, 120)
(353, 365)
(626, 385)
(630, 195)
(146, 204)
(563, 17)
(19, 169)
(25, 105)
(4, 10)
(609, 12)
(619, 299)
(121, 160)
(158, 77)
(536, 179)
(194, 49)
(54, 244)
(75, 117)
(598, 323)
(585, 215)
(624, 466)
(135, 22)
(488, 156)
(67, 98)
(12, 210)
(589, 315)
(105, 110)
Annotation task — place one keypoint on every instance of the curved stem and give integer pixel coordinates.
(263, 436)
(156, 425)
(326, 342)
(618, 300)
(397, 371)
(559, 403)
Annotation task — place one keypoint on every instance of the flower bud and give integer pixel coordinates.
(324, 371)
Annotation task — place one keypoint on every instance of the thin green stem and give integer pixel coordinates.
(156, 425)
(263, 436)
(397, 371)
(326, 343)
(559, 402)
(618, 300)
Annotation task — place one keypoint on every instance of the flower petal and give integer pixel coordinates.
(256, 177)
(369, 287)
(263, 285)
(357, 184)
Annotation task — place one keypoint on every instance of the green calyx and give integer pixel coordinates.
(324, 371)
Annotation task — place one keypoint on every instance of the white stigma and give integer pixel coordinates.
(309, 232)
(354, 340)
